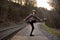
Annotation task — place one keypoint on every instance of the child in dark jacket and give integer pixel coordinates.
(32, 18)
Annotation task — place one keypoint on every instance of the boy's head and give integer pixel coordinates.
(33, 11)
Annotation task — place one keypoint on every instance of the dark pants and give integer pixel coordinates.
(32, 25)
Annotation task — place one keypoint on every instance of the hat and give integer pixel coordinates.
(33, 10)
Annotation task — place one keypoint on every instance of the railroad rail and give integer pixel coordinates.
(8, 31)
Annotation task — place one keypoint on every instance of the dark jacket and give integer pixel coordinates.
(32, 17)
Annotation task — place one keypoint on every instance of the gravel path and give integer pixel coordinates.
(39, 34)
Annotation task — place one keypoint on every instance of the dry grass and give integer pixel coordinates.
(51, 30)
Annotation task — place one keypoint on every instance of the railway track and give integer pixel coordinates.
(4, 33)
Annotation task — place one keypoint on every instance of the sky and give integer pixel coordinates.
(44, 4)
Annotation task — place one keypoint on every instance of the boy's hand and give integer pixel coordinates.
(41, 20)
(24, 19)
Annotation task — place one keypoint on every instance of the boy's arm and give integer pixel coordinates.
(27, 17)
(39, 18)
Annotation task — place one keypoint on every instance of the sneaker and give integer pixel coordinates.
(31, 35)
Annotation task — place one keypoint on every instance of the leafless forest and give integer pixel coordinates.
(12, 12)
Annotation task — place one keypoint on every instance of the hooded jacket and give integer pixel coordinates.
(32, 17)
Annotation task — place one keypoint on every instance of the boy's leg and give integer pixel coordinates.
(32, 28)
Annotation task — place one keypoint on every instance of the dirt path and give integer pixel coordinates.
(24, 34)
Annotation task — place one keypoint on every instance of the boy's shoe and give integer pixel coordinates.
(31, 35)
